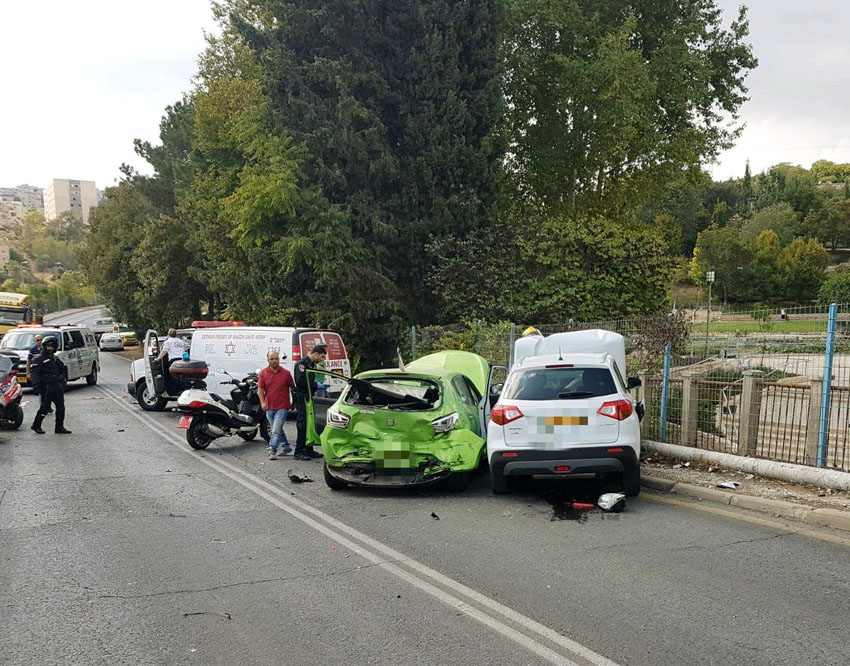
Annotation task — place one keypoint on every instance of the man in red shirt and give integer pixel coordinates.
(274, 391)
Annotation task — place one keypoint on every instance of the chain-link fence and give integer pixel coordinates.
(749, 382)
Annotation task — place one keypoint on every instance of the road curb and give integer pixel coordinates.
(832, 518)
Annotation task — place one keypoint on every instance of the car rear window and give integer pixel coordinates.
(404, 393)
(575, 383)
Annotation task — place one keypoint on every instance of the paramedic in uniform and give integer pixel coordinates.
(317, 354)
(174, 347)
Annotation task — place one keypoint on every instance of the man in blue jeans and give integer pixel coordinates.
(274, 389)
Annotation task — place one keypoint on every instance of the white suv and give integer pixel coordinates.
(565, 415)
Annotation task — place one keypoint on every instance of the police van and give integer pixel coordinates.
(77, 349)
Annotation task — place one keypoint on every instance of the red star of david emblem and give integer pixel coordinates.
(230, 349)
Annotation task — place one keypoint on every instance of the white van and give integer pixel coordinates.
(240, 350)
(77, 350)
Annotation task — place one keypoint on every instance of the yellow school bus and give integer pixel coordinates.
(14, 309)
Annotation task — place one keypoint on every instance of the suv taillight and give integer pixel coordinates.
(616, 409)
(504, 414)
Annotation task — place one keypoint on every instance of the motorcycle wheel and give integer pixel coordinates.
(265, 433)
(247, 436)
(14, 420)
(195, 435)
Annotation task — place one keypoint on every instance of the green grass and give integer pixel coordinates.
(793, 326)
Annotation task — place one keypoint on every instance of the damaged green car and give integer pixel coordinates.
(411, 426)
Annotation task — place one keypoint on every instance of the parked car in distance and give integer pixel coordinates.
(101, 326)
(111, 342)
(128, 336)
(565, 414)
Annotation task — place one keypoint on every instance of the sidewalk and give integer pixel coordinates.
(809, 504)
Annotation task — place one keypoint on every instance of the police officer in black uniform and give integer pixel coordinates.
(48, 378)
(316, 355)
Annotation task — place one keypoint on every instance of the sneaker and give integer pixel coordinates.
(272, 455)
(302, 455)
(285, 451)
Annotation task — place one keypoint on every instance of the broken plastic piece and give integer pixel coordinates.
(731, 485)
(613, 502)
(434, 516)
(298, 478)
(583, 506)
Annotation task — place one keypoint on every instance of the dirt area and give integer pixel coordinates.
(708, 476)
(132, 353)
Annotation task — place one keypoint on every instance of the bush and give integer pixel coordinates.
(836, 289)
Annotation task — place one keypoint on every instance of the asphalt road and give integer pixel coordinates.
(120, 545)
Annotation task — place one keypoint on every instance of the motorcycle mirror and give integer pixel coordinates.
(221, 371)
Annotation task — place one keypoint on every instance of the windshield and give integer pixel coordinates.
(406, 393)
(9, 314)
(559, 384)
(19, 340)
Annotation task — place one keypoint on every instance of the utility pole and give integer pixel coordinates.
(709, 277)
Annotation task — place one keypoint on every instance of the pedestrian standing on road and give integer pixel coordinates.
(48, 373)
(274, 388)
(319, 353)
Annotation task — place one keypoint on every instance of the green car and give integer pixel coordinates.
(411, 426)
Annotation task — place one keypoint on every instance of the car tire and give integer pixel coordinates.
(458, 481)
(197, 439)
(500, 483)
(147, 403)
(91, 379)
(332, 482)
(631, 480)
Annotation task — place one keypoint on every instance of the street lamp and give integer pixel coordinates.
(709, 277)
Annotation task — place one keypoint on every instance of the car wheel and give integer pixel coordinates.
(148, 402)
(631, 481)
(500, 483)
(248, 436)
(195, 435)
(458, 481)
(332, 482)
(91, 379)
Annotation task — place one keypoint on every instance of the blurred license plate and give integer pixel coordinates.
(185, 421)
(566, 420)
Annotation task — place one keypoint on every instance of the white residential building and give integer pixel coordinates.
(62, 194)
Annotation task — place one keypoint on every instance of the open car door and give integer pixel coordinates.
(317, 405)
(151, 349)
(495, 382)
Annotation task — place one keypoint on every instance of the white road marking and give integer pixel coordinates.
(392, 559)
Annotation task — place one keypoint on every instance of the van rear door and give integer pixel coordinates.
(337, 361)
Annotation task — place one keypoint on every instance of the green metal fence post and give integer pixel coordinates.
(665, 391)
(412, 343)
(823, 431)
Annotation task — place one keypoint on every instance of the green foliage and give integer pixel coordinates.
(781, 218)
(608, 104)
(804, 264)
(836, 288)
(830, 172)
(829, 219)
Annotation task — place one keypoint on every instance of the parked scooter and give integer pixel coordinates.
(11, 409)
(210, 416)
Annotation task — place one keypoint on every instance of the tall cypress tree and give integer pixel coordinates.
(396, 102)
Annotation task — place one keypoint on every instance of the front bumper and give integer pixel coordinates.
(584, 460)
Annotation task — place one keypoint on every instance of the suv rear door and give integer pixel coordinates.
(560, 404)
(70, 355)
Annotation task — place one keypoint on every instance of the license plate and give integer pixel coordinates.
(566, 420)
(185, 421)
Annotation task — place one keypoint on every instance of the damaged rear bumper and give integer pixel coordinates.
(370, 474)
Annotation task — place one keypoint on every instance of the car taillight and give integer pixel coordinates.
(197, 404)
(504, 414)
(337, 419)
(296, 352)
(616, 409)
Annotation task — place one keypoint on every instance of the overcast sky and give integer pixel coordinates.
(84, 78)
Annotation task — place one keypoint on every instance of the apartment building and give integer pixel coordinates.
(62, 194)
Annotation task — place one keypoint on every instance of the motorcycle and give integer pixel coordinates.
(209, 416)
(11, 409)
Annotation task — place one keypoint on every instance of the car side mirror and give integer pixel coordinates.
(633, 383)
